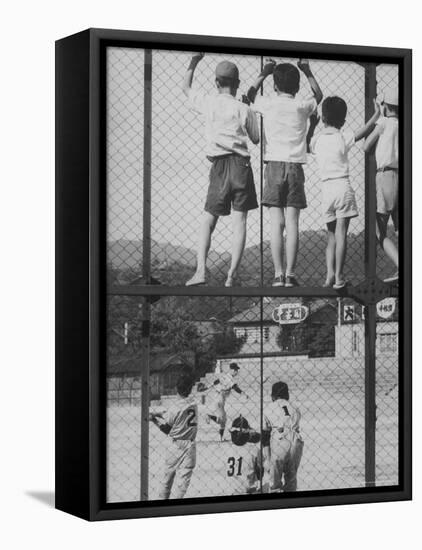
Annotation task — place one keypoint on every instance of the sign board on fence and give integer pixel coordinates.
(286, 314)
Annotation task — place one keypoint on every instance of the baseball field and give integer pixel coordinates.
(331, 401)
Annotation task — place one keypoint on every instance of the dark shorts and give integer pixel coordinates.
(231, 185)
(284, 185)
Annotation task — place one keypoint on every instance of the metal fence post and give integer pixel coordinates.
(370, 273)
(146, 274)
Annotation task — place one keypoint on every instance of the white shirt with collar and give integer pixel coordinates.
(228, 123)
(331, 147)
(285, 126)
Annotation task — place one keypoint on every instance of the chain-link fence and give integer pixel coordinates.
(321, 358)
(180, 172)
(318, 346)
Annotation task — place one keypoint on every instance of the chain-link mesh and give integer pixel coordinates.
(387, 393)
(124, 375)
(387, 77)
(320, 356)
(180, 172)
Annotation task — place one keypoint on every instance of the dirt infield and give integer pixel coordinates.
(332, 427)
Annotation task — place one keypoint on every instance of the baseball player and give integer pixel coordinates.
(223, 386)
(281, 423)
(243, 463)
(180, 424)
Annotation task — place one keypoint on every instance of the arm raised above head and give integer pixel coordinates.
(266, 71)
(188, 78)
(371, 140)
(368, 126)
(313, 123)
(304, 66)
(252, 127)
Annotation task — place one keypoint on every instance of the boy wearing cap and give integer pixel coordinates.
(243, 460)
(281, 424)
(180, 424)
(228, 125)
(385, 138)
(285, 124)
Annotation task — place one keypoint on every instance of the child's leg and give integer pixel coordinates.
(291, 467)
(276, 474)
(292, 238)
(385, 243)
(170, 468)
(342, 226)
(330, 253)
(185, 470)
(222, 421)
(208, 224)
(276, 238)
(239, 239)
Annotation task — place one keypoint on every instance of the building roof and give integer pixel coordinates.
(160, 361)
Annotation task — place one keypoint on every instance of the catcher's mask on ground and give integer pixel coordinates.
(280, 390)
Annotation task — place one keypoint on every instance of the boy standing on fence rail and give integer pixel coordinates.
(180, 424)
(228, 124)
(385, 138)
(331, 149)
(285, 124)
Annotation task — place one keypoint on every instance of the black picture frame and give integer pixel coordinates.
(81, 283)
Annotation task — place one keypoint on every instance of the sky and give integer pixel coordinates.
(179, 167)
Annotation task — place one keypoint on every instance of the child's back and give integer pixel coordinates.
(228, 123)
(331, 147)
(285, 125)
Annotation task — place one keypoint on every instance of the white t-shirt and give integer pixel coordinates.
(387, 148)
(228, 123)
(331, 147)
(285, 126)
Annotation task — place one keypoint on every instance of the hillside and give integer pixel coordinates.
(172, 264)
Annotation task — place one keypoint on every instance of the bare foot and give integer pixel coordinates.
(196, 280)
(229, 281)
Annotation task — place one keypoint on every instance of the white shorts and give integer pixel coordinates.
(338, 200)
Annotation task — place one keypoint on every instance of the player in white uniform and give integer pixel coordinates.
(281, 422)
(180, 424)
(223, 386)
(242, 459)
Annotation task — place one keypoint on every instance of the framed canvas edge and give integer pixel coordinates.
(98, 509)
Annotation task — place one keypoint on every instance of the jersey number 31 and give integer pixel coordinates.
(233, 471)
